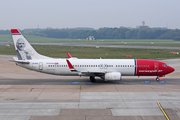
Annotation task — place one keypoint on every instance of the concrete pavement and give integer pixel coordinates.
(28, 95)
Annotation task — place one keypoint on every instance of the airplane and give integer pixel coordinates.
(107, 69)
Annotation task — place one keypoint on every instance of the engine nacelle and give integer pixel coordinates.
(112, 76)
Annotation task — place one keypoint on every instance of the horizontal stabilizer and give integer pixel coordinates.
(19, 61)
(15, 58)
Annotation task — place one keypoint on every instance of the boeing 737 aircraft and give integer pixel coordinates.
(107, 69)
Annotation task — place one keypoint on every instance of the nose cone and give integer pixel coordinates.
(171, 69)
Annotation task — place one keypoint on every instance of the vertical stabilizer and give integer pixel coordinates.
(23, 49)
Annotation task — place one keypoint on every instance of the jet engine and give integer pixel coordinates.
(112, 76)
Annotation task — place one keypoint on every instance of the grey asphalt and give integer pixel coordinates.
(109, 104)
(86, 81)
(29, 95)
(111, 46)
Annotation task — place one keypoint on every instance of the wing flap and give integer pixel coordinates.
(71, 67)
(93, 72)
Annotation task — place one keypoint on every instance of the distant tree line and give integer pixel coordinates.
(141, 32)
(5, 32)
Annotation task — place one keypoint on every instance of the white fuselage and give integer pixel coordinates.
(107, 69)
(60, 67)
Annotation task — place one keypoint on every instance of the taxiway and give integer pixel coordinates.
(108, 46)
(29, 95)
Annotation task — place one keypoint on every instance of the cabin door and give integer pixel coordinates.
(40, 66)
(156, 67)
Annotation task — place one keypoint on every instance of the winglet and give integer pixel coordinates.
(69, 55)
(71, 66)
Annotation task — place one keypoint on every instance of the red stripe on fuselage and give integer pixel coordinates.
(150, 68)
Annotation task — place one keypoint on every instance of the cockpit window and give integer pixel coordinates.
(164, 65)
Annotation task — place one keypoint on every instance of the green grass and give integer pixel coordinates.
(5, 38)
(136, 42)
(96, 53)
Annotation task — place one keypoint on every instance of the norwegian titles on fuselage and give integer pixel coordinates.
(108, 69)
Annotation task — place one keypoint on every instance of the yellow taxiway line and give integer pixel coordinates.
(163, 111)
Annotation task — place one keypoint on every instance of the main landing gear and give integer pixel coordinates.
(157, 79)
(92, 79)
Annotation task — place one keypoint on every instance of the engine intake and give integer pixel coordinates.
(112, 76)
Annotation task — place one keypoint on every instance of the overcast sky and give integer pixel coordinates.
(23, 14)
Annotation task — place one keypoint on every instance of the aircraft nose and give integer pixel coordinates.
(171, 69)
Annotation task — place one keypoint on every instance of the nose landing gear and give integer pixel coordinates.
(157, 78)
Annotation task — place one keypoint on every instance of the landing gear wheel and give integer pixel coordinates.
(92, 79)
(157, 79)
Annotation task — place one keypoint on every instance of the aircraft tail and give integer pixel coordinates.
(23, 49)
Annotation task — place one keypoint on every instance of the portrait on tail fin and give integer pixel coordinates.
(21, 53)
(106, 69)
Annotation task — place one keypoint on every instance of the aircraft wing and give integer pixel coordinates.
(98, 73)
(89, 73)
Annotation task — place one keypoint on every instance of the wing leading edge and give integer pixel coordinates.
(71, 67)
